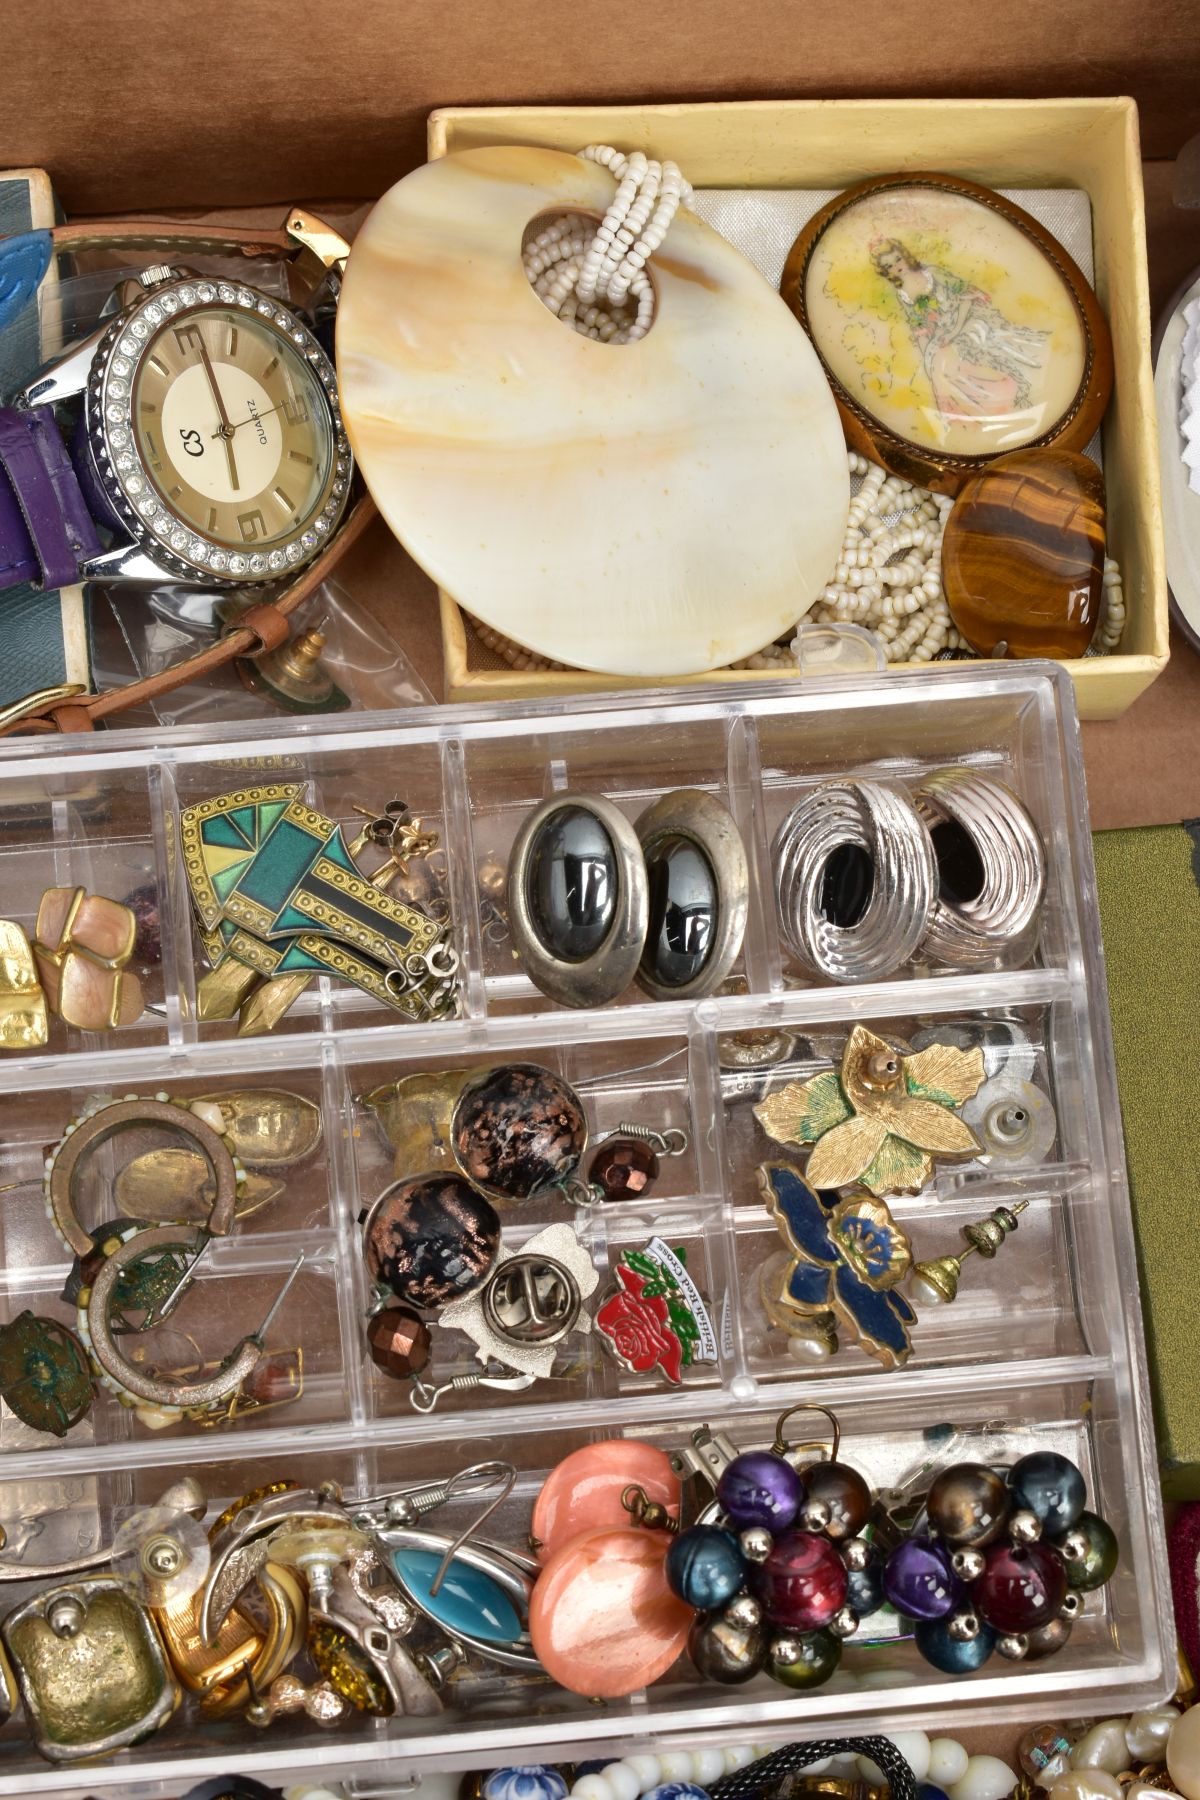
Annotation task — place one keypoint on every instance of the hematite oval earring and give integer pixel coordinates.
(855, 881)
(699, 892)
(577, 899)
(991, 871)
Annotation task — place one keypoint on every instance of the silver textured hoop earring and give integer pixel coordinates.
(577, 899)
(855, 881)
(991, 871)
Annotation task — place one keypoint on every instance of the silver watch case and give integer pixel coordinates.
(160, 544)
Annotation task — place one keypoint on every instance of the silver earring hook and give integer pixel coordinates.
(507, 1475)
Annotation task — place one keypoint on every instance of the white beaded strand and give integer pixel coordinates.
(888, 578)
(595, 280)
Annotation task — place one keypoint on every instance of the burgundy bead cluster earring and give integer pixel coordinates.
(1000, 1562)
(776, 1568)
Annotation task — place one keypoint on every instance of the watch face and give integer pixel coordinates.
(218, 432)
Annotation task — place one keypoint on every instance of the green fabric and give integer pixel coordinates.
(1149, 888)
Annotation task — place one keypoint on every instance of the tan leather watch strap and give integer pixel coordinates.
(116, 234)
(267, 627)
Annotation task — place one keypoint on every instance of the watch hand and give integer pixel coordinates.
(250, 420)
(227, 429)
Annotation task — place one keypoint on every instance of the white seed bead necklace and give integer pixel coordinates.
(888, 576)
(594, 278)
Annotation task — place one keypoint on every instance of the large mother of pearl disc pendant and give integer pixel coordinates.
(655, 508)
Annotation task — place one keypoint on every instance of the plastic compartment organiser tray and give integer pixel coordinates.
(1042, 1347)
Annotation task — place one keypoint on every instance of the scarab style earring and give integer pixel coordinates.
(855, 881)
(266, 1130)
(991, 868)
(577, 899)
(515, 1131)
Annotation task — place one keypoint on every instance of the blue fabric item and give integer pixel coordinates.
(24, 260)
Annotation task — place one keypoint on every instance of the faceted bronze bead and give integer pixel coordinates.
(1023, 554)
(517, 1131)
(431, 1240)
(844, 1492)
(969, 1505)
(398, 1341)
(624, 1167)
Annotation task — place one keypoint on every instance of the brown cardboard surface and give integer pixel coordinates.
(233, 101)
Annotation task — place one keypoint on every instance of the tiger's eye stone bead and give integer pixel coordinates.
(624, 1167)
(517, 1131)
(803, 1582)
(968, 1505)
(1023, 554)
(1020, 1589)
(431, 1240)
(844, 1493)
(571, 883)
(398, 1341)
(1097, 1566)
(725, 1652)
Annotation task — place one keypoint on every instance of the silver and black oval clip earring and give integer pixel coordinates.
(991, 871)
(577, 902)
(855, 881)
(698, 887)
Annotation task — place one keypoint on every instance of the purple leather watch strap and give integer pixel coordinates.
(46, 530)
